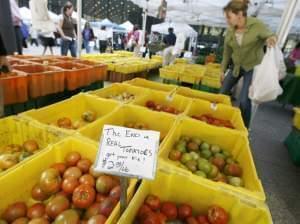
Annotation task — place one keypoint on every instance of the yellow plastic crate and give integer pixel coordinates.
(150, 84)
(15, 130)
(297, 118)
(181, 61)
(131, 114)
(297, 72)
(189, 78)
(169, 74)
(30, 172)
(116, 89)
(211, 82)
(233, 142)
(180, 189)
(72, 108)
(126, 69)
(224, 112)
(178, 102)
(213, 98)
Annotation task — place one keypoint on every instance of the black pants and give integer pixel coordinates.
(102, 46)
(2, 48)
(19, 39)
(34, 41)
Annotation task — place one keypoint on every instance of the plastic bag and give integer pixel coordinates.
(279, 59)
(265, 84)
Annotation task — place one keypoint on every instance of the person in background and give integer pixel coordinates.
(103, 38)
(25, 34)
(244, 42)
(33, 37)
(170, 41)
(7, 35)
(7, 44)
(133, 40)
(47, 40)
(17, 23)
(67, 31)
(295, 55)
(87, 36)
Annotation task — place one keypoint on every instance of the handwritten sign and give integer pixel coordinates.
(128, 152)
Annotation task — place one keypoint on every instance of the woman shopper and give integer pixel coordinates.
(244, 42)
(67, 31)
(87, 36)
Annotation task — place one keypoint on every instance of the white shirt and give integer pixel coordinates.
(102, 35)
(239, 38)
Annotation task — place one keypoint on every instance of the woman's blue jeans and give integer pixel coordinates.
(245, 103)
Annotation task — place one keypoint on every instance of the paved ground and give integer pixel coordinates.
(281, 179)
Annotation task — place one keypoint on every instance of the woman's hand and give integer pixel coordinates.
(271, 41)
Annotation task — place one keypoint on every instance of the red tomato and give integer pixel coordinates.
(107, 206)
(169, 209)
(50, 181)
(100, 197)
(217, 215)
(83, 196)
(60, 167)
(87, 179)
(84, 165)
(115, 193)
(69, 184)
(36, 211)
(151, 218)
(153, 202)
(57, 205)
(191, 220)
(72, 158)
(15, 211)
(185, 211)
(202, 219)
(93, 210)
(143, 211)
(22, 220)
(98, 219)
(39, 221)
(73, 171)
(37, 193)
(162, 218)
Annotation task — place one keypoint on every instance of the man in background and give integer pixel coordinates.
(17, 23)
(170, 41)
(7, 42)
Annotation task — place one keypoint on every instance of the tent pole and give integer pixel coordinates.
(287, 20)
(79, 36)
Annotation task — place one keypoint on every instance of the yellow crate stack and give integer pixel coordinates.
(296, 120)
(15, 131)
(233, 142)
(245, 205)
(212, 76)
(28, 174)
(179, 189)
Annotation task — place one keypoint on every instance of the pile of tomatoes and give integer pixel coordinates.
(160, 107)
(153, 211)
(68, 192)
(214, 121)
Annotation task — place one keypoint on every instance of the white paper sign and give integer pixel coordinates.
(128, 152)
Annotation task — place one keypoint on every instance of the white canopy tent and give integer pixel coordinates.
(209, 12)
(127, 25)
(186, 29)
